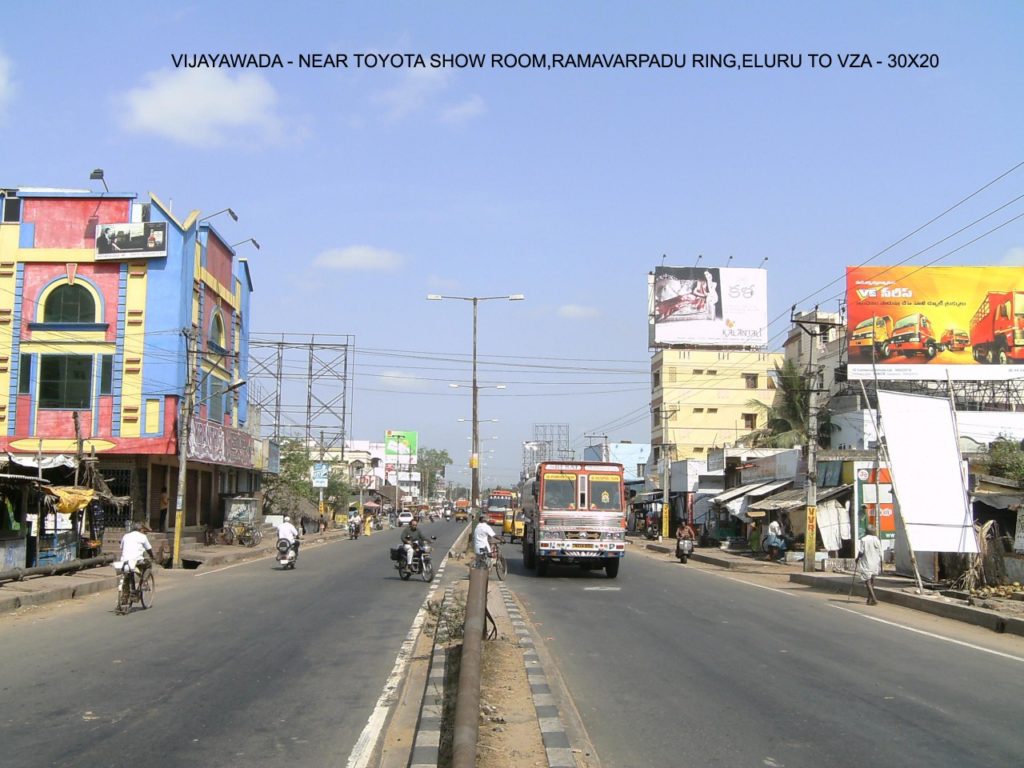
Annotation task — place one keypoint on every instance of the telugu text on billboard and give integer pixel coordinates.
(131, 241)
(709, 305)
(933, 323)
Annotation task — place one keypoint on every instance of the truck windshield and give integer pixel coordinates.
(604, 492)
(559, 492)
(1018, 304)
(499, 502)
(864, 325)
(907, 322)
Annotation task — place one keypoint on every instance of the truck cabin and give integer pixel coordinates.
(599, 492)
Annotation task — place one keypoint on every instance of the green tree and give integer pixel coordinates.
(1006, 459)
(785, 417)
(294, 481)
(431, 464)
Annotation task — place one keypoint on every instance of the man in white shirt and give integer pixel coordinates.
(482, 535)
(134, 546)
(289, 533)
(869, 561)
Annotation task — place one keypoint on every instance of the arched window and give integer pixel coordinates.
(217, 332)
(69, 304)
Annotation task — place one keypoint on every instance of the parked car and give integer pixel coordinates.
(404, 517)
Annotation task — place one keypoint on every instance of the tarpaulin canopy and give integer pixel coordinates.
(46, 462)
(797, 497)
(70, 499)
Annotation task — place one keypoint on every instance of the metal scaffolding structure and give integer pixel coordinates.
(550, 443)
(302, 383)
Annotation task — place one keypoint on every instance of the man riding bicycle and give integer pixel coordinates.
(483, 537)
(134, 547)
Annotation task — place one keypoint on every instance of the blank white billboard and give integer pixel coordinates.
(924, 455)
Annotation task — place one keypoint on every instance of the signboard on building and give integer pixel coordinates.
(131, 241)
(784, 465)
(216, 444)
(711, 306)
(400, 447)
(934, 323)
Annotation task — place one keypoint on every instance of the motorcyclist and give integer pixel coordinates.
(685, 531)
(287, 531)
(354, 524)
(412, 538)
(134, 548)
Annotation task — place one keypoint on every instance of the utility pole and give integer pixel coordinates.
(184, 432)
(321, 461)
(814, 327)
(666, 468)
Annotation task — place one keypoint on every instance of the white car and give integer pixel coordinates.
(404, 518)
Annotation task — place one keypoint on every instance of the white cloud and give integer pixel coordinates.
(204, 107)
(467, 110)
(412, 93)
(401, 380)
(577, 311)
(359, 257)
(442, 283)
(1014, 256)
(6, 84)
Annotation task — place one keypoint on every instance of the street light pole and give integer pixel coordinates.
(184, 432)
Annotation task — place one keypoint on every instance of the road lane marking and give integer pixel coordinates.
(931, 634)
(366, 744)
(741, 581)
(602, 589)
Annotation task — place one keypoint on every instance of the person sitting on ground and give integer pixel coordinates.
(412, 537)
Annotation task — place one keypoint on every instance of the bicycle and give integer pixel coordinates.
(494, 559)
(133, 588)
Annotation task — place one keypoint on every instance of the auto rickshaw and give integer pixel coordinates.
(514, 525)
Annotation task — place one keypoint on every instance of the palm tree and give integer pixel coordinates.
(785, 423)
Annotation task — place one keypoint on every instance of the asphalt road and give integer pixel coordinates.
(682, 665)
(246, 666)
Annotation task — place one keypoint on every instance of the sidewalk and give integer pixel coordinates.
(889, 588)
(40, 590)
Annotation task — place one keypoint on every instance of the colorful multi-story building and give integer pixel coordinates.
(99, 296)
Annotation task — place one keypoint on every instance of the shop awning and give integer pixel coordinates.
(70, 499)
(735, 493)
(793, 498)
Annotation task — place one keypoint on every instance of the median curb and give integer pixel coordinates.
(549, 719)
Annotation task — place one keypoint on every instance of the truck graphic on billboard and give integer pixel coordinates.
(933, 323)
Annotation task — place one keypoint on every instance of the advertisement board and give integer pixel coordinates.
(933, 323)
(400, 447)
(131, 241)
(708, 305)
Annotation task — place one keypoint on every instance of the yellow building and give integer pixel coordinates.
(701, 398)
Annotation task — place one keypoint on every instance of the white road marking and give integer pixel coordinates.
(931, 634)
(367, 741)
(602, 589)
(226, 567)
(741, 581)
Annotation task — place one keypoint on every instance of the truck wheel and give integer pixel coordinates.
(976, 353)
(883, 350)
(542, 566)
(611, 567)
(990, 356)
(1002, 358)
(930, 351)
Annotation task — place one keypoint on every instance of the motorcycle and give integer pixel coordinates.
(287, 553)
(421, 562)
(684, 548)
(354, 529)
(652, 532)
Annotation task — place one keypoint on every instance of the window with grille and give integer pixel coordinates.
(64, 381)
(751, 380)
(750, 421)
(69, 304)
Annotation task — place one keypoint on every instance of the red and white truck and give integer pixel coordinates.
(997, 328)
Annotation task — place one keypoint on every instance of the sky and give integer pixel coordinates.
(369, 187)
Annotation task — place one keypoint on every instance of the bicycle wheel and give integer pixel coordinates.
(122, 595)
(246, 539)
(500, 567)
(228, 535)
(257, 535)
(147, 589)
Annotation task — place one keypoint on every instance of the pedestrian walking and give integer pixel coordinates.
(165, 503)
(869, 562)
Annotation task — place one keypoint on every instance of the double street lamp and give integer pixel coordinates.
(474, 462)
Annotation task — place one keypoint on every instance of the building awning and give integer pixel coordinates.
(795, 497)
(735, 493)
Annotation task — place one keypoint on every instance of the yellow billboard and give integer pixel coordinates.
(933, 323)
